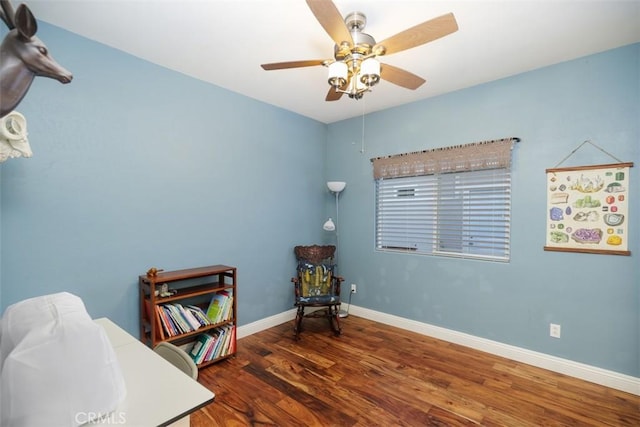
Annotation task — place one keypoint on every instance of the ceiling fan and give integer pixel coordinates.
(354, 68)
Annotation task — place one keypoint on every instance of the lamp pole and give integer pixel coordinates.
(336, 188)
(337, 229)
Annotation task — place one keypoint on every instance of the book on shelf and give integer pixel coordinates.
(216, 343)
(200, 346)
(154, 317)
(209, 351)
(215, 351)
(168, 326)
(199, 314)
(226, 315)
(177, 319)
(222, 347)
(232, 347)
(229, 345)
(213, 311)
(174, 318)
(188, 316)
(219, 309)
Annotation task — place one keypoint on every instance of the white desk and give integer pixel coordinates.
(158, 393)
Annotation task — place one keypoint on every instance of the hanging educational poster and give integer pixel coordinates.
(587, 209)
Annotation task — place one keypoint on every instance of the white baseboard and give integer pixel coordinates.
(585, 372)
(266, 323)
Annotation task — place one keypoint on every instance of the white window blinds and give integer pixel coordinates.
(462, 213)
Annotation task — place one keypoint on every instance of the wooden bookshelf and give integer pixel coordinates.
(170, 317)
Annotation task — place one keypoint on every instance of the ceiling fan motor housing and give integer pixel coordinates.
(356, 21)
(362, 42)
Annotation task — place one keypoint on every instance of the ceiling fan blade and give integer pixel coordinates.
(400, 77)
(334, 95)
(292, 64)
(331, 20)
(420, 34)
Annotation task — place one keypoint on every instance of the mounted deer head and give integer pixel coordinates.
(23, 57)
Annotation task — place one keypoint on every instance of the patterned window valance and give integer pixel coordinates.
(469, 157)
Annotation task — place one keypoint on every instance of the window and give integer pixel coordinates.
(449, 210)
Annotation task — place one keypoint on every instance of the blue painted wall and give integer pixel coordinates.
(553, 110)
(137, 166)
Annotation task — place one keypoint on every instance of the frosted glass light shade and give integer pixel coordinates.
(337, 74)
(336, 186)
(369, 72)
(329, 225)
(370, 66)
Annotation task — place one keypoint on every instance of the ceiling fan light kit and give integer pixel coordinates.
(355, 68)
(354, 60)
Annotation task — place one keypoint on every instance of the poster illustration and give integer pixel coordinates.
(587, 209)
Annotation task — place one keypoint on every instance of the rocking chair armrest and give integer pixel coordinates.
(296, 286)
(337, 280)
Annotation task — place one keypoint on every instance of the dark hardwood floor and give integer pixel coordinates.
(378, 375)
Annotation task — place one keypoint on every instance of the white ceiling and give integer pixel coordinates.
(225, 41)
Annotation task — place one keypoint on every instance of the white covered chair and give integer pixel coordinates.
(181, 360)
(57, 366)
(178, 358)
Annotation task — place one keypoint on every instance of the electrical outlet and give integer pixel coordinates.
(353, 288)
(554, 330)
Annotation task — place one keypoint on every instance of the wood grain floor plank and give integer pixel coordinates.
(378, 375)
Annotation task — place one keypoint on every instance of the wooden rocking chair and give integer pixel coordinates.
(316, 285)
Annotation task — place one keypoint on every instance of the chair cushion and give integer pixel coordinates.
(315, 279)
(319, 300)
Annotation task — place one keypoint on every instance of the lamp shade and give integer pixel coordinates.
(329, 225)
(336, 186)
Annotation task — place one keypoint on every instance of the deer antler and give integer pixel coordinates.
(7, 13)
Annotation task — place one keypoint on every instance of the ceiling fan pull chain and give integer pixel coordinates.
(362, 143)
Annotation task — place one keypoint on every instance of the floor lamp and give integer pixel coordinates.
(336, 188)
